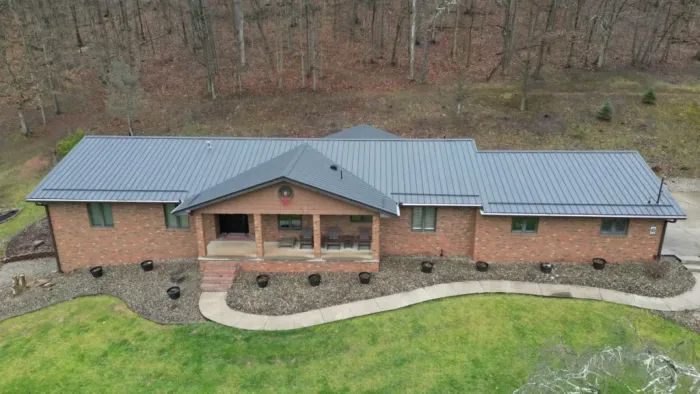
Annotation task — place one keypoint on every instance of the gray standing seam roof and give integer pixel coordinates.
(303, 165)
(437, 172)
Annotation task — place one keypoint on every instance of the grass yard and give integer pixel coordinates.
(476, 344)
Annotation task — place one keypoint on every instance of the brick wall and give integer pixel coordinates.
(564, 239)
(139, 233)
(454, 234)
(308, 266)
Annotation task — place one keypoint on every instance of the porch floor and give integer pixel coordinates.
(247, 249)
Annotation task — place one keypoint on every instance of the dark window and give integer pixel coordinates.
(524, 225)
(361, 218)
(289, 222)
(614, 226)
(423, 219)
(100, 215)
(175, 221)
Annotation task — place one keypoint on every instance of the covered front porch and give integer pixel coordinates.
(277, 237)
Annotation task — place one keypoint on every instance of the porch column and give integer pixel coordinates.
(317, 236)
(259, 243)
(199, 230)
(375, 237)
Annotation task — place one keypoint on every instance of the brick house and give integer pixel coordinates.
(249, 203)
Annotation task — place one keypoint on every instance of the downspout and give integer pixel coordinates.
(663, 236)
(53, 237)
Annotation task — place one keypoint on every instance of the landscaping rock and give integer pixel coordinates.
(38, 243)
(144, 294)
(290, 293)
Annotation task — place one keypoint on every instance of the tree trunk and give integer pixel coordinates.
(372, 33)
(508, 32)
(140, 21)
(396, 39)
(22, 122)
(74, 17)
(266, 45)
(543, 42)
(238, 21)
(456, 30)
(572, 42)
(412, 44)
(424, 64)
(128, 123)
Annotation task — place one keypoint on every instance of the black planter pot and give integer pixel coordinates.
(426, 267)
(482, 266)
(365, 277)
(599, 263)
(147, 265)
(262, 281)
(174, 293)
(314, 280)
(96, 271)
(546, 268)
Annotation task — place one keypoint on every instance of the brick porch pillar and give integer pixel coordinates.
(375, 237)
(317, 236)
(199, 230)
(259, 243)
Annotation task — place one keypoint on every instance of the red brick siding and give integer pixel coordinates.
(139, 233)
(454, 234)
(564, 239)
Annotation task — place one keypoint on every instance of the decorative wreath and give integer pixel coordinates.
(285, 194)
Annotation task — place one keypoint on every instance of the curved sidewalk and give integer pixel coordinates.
(213, 304)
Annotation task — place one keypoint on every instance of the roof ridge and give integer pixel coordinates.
(184, 137)
(292, 163)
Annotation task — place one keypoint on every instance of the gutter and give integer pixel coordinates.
(583, 215)
(43, 201)
(53, 237)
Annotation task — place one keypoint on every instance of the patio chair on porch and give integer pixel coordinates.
(365, 239)
(333, 238)
(306, 238)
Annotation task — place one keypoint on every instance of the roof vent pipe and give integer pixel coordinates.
(661, 186)
(209, 145)
(334, 167)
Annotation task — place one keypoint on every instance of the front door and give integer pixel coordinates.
(236, 224)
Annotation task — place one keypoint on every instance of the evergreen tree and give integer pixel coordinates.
(649, 96)
(605, 113)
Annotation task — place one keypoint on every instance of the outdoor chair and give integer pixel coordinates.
(306, 239)
(333, 238)
(365, 239)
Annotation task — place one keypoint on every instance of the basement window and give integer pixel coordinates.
(175, 221)
(289, 222)
(361, 218)
(524, 225)
(614, 226)
(100, 215)
(423, 219)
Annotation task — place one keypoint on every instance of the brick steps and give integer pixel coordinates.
(217, 275)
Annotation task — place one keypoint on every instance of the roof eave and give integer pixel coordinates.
(677, 217)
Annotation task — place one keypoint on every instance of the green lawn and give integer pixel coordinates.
(479, 344)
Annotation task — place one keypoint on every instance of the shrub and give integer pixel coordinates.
(68, 142)
(649, 96)
(605, 113)
(658, 269)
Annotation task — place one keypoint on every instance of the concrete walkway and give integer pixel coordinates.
(683, 237)
(213, 305)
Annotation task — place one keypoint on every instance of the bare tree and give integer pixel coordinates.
(642, 369)
(608, 19)
(124, 92)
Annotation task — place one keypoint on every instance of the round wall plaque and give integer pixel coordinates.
(285, 195)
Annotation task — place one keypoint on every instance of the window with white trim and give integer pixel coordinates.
(614, 226)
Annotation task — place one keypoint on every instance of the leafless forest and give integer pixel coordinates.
(121, 51)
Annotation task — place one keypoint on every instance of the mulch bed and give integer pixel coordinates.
(290, 293)
(144, 292)
(35, 239)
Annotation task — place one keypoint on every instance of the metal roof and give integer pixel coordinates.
(363, 132)
(303, 165)
(168, 169)
(572, 183)
(405, 171)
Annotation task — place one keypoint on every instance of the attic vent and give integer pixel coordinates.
(334, 167)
